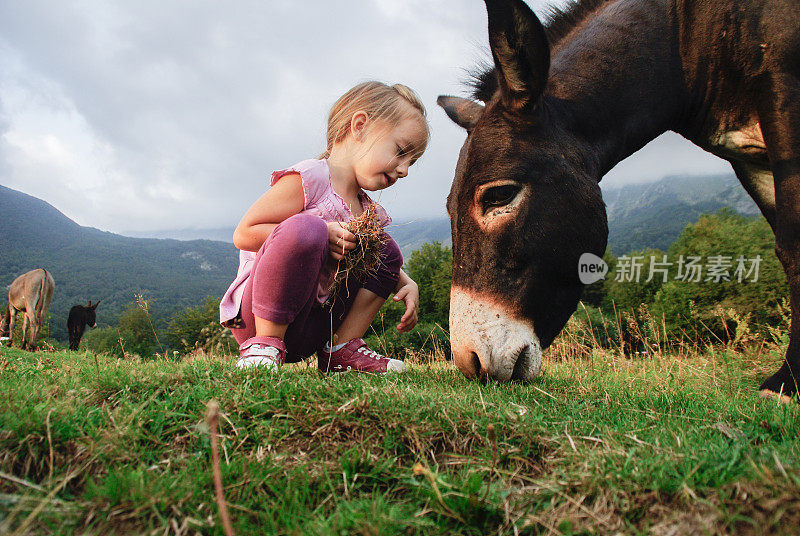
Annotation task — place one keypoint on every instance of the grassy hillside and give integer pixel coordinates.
(88, 264)
(604, 445)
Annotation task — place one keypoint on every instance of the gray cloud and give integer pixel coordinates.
(151, 115)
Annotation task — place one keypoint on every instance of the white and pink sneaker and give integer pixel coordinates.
(266, 352)
(355, 356)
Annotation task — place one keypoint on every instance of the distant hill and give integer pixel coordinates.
(220, 234)
(89, 264)
(411, 235)
(653, 215)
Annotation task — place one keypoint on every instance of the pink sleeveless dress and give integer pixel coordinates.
(320, 200)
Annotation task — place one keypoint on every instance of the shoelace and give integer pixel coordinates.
(370, 353)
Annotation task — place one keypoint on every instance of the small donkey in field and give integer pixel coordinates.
(31, 292)
(80, 316)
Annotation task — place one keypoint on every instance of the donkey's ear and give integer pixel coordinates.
(89, 304)
(464, 112)
(520, 51)
(95, 305)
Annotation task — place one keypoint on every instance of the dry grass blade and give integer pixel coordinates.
(212, 419)
(365, 258)
(21, 481)
(22, 529)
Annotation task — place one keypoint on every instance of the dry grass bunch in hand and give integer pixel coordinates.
(363, 260)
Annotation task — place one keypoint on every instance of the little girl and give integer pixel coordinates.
(294, 234)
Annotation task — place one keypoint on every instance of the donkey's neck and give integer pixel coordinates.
(615, 80)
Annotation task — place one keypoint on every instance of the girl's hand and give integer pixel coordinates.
(340, 240)
(409, 293)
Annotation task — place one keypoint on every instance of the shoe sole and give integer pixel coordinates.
(248, 363)
(363, 371)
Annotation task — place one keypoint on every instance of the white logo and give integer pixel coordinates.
(591, 268)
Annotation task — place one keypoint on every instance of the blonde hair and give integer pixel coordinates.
(381, 102)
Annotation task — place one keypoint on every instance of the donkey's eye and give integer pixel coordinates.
(499, 196)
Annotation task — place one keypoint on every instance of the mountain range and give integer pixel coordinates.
(653, 215)
(89, 264)
(174, 269)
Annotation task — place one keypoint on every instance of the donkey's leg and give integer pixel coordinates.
(759, 183)
(25, 331)
(779, 114)
(12, 321)
(34, 326)
(4, 322)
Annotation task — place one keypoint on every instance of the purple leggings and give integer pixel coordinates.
(282, 287)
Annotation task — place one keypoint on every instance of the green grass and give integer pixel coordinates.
(95, 445)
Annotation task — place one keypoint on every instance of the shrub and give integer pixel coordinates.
(431, 267)
(104, 341)
(706, 311)
(711, 310)
(134, 334)
(199, 328)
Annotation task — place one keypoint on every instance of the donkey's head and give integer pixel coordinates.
(90, 314)
(524, 206)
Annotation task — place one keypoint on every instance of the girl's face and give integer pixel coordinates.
(386, 152)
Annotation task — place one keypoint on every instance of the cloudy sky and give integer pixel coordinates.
(148, 115)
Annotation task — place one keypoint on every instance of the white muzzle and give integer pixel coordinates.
(488, 341)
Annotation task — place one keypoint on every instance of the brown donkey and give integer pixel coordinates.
(31, 292)
(562, 105)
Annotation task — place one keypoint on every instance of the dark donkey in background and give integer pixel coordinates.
(31, 292)
(566, 103)
(79, 317)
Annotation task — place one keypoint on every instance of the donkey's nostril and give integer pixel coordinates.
(520, 364)
(476, 365)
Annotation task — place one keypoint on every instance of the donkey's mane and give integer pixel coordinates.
(560, 21)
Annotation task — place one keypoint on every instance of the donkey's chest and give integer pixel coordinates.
(738, 140)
